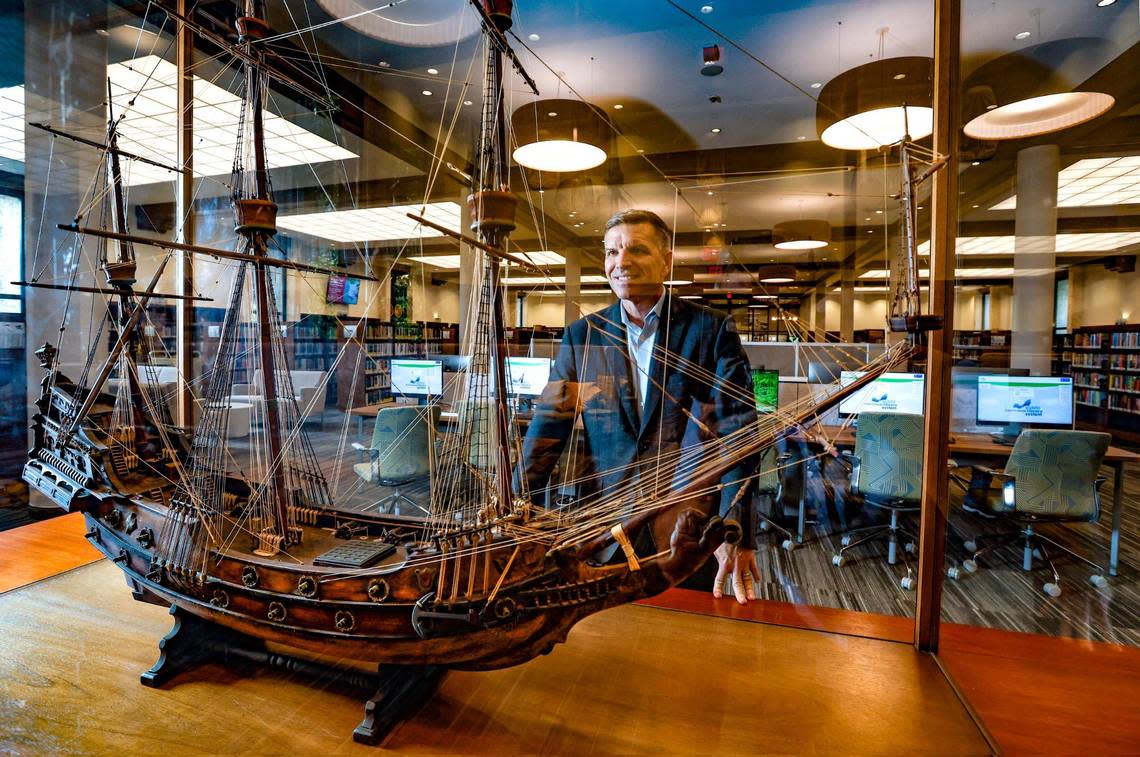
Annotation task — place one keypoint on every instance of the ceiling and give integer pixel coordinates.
(723, 192)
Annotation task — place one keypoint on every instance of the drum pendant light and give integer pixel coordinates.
(877, 104)
(561, 135)
(804, 234)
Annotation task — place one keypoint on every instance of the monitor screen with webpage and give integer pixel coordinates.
(418, 377)
(766, 390)
(1026, 400)
(890, 393)
(527, 376)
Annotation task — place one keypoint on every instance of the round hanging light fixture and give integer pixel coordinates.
(777, 274)
(1039, 115)
(877, 104)
(561, 135)
(803, 234)
(1031, 95)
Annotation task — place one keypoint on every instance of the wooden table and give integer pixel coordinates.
(975, 445)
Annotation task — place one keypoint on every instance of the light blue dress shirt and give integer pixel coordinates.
(639, 341)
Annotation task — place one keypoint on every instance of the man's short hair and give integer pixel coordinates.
(664, 233)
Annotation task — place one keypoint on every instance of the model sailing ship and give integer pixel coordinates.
(487, 580)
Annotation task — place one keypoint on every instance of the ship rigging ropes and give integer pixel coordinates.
(466, 484)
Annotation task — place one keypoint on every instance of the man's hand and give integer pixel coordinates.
(739, 565)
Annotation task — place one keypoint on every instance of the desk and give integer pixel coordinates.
(973, 445)
(445, 416)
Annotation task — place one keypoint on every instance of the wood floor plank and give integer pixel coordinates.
(827, 619)
(629, 680)
(38, 550)
(1037, 694)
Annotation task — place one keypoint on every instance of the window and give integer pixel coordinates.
(1061, 305)
(11, 253)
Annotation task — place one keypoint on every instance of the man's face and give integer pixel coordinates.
(636, 263)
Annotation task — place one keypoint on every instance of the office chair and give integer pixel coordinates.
(886, 469)
(1051, 477)
(402, 451)
(770, 486)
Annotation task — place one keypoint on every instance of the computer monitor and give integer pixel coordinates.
(454, 363)
(889, 393)
(1026, 400)
(527, 376)
(342, 290)
(823, 372)
(417, 377)
(766, 390)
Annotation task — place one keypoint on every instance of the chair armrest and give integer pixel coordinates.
(854, 464)
(361, 451)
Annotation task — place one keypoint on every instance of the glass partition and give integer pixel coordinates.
(1045, 417)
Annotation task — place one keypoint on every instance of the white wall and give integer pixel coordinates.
(1099, 297)
(550, 310)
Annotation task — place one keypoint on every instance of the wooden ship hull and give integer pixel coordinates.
(510, 599)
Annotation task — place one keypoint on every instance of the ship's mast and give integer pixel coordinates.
(493, 210)
(256, 220)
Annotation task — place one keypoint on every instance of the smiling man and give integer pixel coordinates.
(619, 371)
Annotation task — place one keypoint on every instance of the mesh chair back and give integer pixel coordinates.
(889, 448)
(403, 439)
(1055, 472)
(768, 474)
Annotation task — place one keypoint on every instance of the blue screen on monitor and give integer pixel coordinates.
(1036, 400)
(890, 393)
(418, 377)
(527, 376)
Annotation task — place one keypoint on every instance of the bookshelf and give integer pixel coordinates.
(315, 343)
(1105, 365)
(372, 347)
(983, 347)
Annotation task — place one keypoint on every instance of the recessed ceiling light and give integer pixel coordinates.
(426, 92)
(991, 106)
(709, 193)
(706, 9)
(533, 37)
(552, 114)
(1100, 241)
(973, 206)
(433, 71)
(1104, 3)
(715, 130)
(976, 163)
(1021, 35)
(466, 102)
(640, 150)
(149, 128)
(878, 212)
(384, 64)
(816, 84)
(899, 77)
(1094, 182)
(618, 106)
(373, 224)
(868, 218)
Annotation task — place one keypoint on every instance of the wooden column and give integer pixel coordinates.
(944, 220)
(184, 201)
